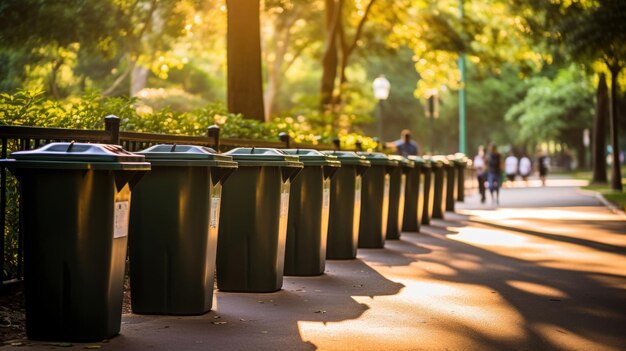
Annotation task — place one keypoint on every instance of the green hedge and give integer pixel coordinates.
(31, 108)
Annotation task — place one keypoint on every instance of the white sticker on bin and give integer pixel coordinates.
(120, 219)
(215, 212)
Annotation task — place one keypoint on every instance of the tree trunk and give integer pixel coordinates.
(276, 69)
(329, 60)
(599, 139)
(245, 76)
(138, 79)
(54, 87)
(616, 176)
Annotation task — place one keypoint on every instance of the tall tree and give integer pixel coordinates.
(330, 56)
(245, 78)
(341, 16)
(599, 133)
(291, 28)
(598, 32)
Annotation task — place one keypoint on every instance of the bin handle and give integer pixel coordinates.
(390, 169)
(290, 173)
(221, 174)
(128, 177)
(329, 172)
(361, 169)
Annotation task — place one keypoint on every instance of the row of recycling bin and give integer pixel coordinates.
(275, 212)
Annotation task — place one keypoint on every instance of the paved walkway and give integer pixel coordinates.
(546, 270)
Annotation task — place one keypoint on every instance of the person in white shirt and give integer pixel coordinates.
(510, 167)
(525, 168)
(479, 164)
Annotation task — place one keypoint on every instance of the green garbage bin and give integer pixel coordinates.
(414, 196)
(440, 186)
(253, 220)
(397, 195)
(75, 203)
(429, 191)
(173, 230)
(375, 200)
(345, 206)
(451, 183)
(309, 208)
(460, 163)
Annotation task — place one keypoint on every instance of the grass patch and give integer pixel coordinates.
(617, 198)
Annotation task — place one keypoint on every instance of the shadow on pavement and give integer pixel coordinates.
(587, 305)
(246, 321)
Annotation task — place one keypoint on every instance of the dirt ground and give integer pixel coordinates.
(13, 317)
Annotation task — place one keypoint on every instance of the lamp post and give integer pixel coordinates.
(432, 112)
(381, 88)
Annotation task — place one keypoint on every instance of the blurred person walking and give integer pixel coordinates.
(543, 165)
(511, 168)
(494, 172)
(405, 146)
(479, 165)
(525, 167)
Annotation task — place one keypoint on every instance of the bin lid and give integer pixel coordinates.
(403, 161)
(434, 161)
(312, 157)
(78, 156)
(459, 159)
(378, 158)
(441, 160)
(349, 158)
(419, 161)
(260, 156)
(186, 155)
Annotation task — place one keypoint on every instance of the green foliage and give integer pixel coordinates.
(553, 106)
(31, 108)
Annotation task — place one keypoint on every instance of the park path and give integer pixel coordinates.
(545, 270)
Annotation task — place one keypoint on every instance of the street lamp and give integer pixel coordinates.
(432, 112)
(381, 88)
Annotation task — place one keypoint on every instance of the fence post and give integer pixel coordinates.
(359, 146)
(112, 125)
(285, 138)
(337, 143)
(3, 208)
(213, 131)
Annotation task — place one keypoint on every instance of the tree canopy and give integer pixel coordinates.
(314, 61)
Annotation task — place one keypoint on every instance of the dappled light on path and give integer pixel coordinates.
(486, 237)
(532, 278)
(509, 214)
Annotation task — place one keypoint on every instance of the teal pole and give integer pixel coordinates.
(462, 116)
